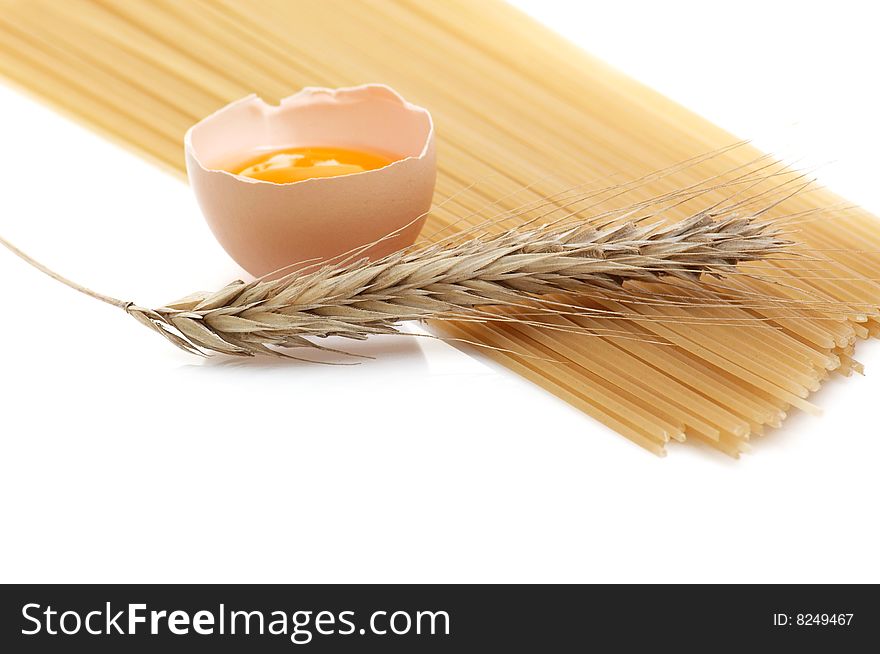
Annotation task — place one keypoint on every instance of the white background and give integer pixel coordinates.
(125, 460)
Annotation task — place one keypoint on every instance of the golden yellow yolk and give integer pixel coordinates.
(296, 164)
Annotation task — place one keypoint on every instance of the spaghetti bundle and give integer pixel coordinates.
(523, 113)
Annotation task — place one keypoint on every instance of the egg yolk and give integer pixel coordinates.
(296, 164)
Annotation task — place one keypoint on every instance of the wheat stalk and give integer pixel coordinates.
(457, 279)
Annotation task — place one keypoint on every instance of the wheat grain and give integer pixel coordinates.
(522, 270)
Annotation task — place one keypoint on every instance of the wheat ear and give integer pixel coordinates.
(455, 280)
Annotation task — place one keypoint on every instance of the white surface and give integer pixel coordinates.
(125, 460)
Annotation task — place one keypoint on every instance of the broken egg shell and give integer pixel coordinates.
(266, 226)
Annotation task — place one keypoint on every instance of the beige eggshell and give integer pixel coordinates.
(266, 226)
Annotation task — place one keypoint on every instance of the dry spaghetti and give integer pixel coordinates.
(513, 103)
